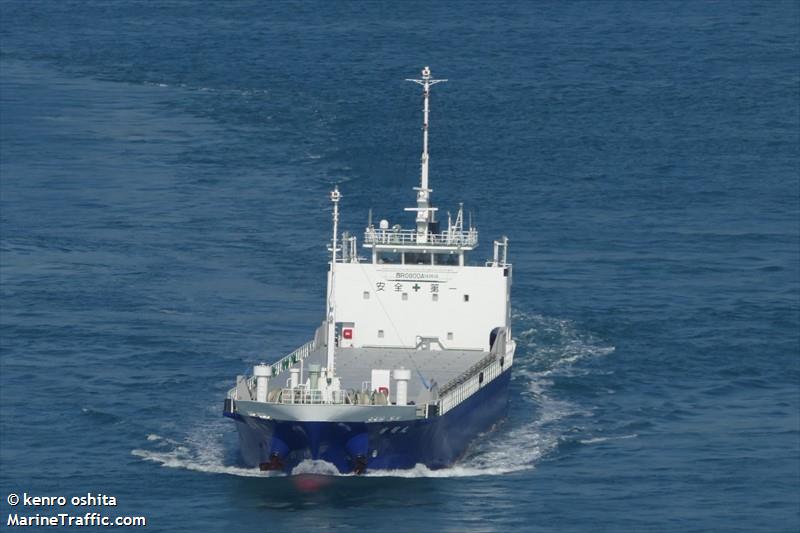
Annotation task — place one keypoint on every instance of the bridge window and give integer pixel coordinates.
(418, 258)
(388, 258)
(446, 259)
(466, 297)
(405, 296)
(380, 333)
(435, 297)
(366, 295)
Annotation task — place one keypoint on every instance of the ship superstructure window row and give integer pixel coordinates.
(419, 258)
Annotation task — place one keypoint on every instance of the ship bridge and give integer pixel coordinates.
(411, 247)
(416, 291)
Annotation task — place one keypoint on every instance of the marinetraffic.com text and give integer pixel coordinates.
(66, 511)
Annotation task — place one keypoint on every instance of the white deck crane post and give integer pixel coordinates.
(335, 197)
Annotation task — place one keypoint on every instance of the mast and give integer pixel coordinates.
(335, 197)
(424, 210)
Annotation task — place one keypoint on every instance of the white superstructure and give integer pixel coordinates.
(415, 287)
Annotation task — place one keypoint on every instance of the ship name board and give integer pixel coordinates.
(417, 276)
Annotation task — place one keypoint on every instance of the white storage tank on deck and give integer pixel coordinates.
(402, 377)
(262, 374)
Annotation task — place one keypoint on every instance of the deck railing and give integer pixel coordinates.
(282, 365)
(471, 380)
(467, 239)
(301, 395)
(285, 363)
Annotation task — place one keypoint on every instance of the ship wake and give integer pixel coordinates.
(538, 420)
(199, 452)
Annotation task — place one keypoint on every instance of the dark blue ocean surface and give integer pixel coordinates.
(165, 169)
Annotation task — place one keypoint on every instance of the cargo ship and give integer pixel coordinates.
(412, 360)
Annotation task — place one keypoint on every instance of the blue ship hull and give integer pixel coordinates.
(437, 441)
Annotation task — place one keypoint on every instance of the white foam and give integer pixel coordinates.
(421, 470)
(176, 459)
(318, 467)
(596, 440)
(202, 451)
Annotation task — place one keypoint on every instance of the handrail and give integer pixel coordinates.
(468, 373)
(281, 365)
(301, 395)
(285, 363)
(467, 238)
(478, 375)
(469, 382)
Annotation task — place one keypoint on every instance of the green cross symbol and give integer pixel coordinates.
(416, 287)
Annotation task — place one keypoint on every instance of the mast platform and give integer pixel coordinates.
(407, 239)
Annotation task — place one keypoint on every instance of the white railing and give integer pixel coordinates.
(468, 383)
(285, 363)
(409, 236)
(282, 365)
(300, 395)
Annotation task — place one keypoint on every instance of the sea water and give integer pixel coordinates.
(164, 171)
